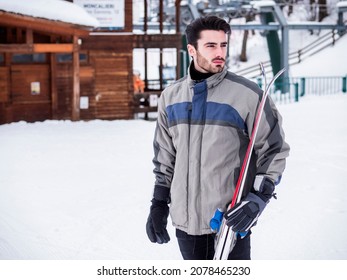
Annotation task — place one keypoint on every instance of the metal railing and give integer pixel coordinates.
(297, 87)
(300, 86)
(295, 57)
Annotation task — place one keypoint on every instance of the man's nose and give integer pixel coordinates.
(219, 51)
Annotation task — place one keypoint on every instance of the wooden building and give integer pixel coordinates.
(51, 69)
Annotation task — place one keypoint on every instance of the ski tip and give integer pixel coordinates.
(262, 69)
(282, 71)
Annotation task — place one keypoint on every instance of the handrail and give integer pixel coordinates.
(301, 86)
(295, 57)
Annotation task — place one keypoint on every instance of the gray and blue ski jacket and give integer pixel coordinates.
(200, 141)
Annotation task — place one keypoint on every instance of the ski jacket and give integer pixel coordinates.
(200, 141)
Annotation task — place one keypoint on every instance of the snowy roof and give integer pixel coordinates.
(258, 4)
(56, 10)
(341, 4)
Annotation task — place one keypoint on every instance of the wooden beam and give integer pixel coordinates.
(75, 112)
(16, 48)
(54, 92)
(146, 68)
(178, 12)
(19, 35)
(8, 59)
(53, 48)
(178, 63)
(29, 38)
(161, 16)
(36, 48)
(9, 34)
(145, 27)
(156, 40)
(161, 68)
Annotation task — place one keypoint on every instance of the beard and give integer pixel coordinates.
(207, 66)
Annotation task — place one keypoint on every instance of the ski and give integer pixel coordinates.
(226, 238)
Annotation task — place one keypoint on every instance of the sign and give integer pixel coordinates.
(109, 13)
(153, 100)
(84, 102)
(35, 88)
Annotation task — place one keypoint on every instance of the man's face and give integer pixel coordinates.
(210, 55)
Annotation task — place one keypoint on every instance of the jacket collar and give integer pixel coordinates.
(212, 81)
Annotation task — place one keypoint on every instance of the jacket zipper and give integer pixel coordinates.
(190, 109)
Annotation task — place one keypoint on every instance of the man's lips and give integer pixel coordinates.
(218, 60)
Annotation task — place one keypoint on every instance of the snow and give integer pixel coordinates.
(82, 190)
(50, 9)
(342, 4)
(259, 4)
(308, 219)
(331, 58)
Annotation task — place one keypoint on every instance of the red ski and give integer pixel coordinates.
(226, 238)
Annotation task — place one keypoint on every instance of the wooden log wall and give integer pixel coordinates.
(26, 104)
(87, 84)
(64, 89)
(4, 92)
(105, 78)
(4, 82)
(113, 77)
(63, 83)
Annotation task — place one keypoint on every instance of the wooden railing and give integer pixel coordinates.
(146, 102)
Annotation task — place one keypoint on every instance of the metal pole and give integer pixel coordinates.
(344, 84)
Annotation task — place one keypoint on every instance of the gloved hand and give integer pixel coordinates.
(157, 222)
(245, 214)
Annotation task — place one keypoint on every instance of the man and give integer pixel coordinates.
(203, 128)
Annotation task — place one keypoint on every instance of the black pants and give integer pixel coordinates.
(201, 247)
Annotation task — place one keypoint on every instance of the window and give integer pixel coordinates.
(29, 58)
(67, 57)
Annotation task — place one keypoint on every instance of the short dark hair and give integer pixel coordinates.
(205, 23)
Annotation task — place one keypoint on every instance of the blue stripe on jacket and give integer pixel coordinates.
(199, 111)
(199, 102)
(215, 113)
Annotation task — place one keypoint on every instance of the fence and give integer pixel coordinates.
(322, 42)
(298, 88)
(301, 86)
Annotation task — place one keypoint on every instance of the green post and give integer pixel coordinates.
(274, 47)
(303, 87)
(260, 82)
(344, 84)
(184, 57)
(296, 86)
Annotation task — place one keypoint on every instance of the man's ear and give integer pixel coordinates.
(191, 50)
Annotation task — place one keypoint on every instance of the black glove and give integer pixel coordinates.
(157, 222)
(245, 214)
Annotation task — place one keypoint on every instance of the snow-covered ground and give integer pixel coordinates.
(82, 190)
